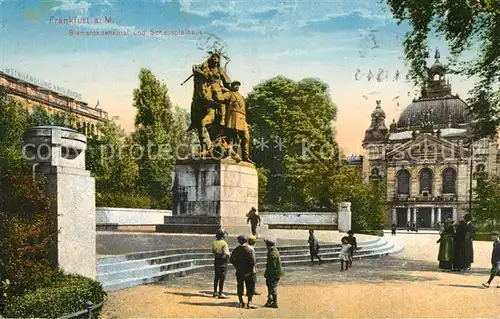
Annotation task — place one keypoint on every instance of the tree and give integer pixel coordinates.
(292, 124)
(486, 204)
(110, 159)
(465, 25)
(183, 142)
(154, 137)
(13, 121)
(39, 116)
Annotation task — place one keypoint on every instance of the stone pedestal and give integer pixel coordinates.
(208, 194)
(59, 154)
(344, 216)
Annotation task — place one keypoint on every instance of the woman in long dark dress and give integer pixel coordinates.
(446, 247)
(459, 262)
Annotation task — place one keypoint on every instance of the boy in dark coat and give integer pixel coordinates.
(354, 245)
(244, 261)
(495, 259)
(254, 219)
(273, 272)
(313, 246)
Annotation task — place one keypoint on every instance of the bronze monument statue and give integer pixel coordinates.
(218, 111)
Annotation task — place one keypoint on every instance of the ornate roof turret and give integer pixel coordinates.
(377, 132)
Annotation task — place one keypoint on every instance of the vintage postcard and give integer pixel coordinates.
(249, 159)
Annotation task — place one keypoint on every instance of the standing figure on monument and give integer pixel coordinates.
(254, 219)
(236, 125)
(470, 235)
(207, 104)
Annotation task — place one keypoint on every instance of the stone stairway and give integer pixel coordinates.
(125, 271)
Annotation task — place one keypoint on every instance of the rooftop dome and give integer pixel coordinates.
(436, 103)
(444, 111)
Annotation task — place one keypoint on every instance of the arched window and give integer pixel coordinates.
(403, 182)
(449, 181)
(480, 168)
(375, 171)
(426, 181)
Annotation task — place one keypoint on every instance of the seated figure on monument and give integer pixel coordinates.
(218, 111)
(207, 108)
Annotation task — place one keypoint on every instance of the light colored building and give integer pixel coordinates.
(425, 156)
(31, 92)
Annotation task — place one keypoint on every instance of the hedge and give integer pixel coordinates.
(61, 295)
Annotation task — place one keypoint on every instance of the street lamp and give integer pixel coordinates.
(470, 142)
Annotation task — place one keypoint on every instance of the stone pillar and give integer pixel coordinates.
(344, 223)
(394, 216)
(433, 212)
(439, 215)
(408, 214)
(415, 215)
(455, 215)
(59, 154)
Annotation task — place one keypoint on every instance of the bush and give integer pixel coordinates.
(27, 232)
(59, 295)
(124, 200)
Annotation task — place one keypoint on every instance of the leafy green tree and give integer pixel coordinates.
(292, 124)
(486, 204)
(466, 25)
(110, 159)
(154, 124)
(13, 121)
(183, 142)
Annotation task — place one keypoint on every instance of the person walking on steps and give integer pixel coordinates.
(220, 250)
(273, 272)
(344, 254)
(251, 244)
(495, 259)
(313, 246)
(354, 245)
(254, 219)
(244, 262)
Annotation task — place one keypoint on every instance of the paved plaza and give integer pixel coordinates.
(406, 285)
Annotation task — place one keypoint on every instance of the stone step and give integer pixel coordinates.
(141, 278)
(192, 220)
(293, 251)
(188, 228)
(179, 254)
(305, 227)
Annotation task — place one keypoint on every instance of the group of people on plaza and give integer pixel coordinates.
(243, 258)
(456, 252)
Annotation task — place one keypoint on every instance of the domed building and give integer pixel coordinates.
(425, 156)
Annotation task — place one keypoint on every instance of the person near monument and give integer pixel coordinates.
(354, 245)
(446, 247)
(208, 97)
(254, 219)
(252, 240)
(459, 263)
(313, 246)
(220, 250)
(393, 229)
(273, 272)
(408, 226)
(470, 235)
(244, 261)
(495, 259)
(345, 254)
(236, 125)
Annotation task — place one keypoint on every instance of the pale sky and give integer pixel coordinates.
(324, 39)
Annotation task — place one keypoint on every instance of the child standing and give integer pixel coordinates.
(221, 257)
(354, 245)
(344, 255)
(313, 246)
(273, 272)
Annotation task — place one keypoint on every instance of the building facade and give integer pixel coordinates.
(31, 95)
(426, 157)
